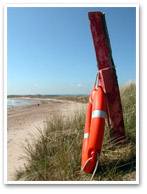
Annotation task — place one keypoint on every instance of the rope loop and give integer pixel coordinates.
(98, 75)
(96, 80)
(97, 162)
(107, 68)
(86, 163)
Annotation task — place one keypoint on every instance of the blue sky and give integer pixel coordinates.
(50, 50)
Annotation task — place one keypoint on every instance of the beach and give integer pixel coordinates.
(23, 123)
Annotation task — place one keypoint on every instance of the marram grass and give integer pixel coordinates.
(55, 154)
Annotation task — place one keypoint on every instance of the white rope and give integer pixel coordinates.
(86, 163)
(96, 80)
(107, 68)
(97, 75)
(97, 162)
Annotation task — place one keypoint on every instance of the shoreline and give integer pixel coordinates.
(34, 101)
(31, 99)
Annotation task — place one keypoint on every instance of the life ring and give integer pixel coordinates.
(94, 129)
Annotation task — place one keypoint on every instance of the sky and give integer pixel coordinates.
(50, 50)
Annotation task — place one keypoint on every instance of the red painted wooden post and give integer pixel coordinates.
(107, 75)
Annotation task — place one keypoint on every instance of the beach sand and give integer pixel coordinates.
(22, 124)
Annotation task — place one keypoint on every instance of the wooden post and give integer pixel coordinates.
(107, 75)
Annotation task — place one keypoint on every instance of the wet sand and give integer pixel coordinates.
(22, 124)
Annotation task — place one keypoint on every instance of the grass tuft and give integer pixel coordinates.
(55, 154)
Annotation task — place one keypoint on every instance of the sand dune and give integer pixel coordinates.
(22, 124)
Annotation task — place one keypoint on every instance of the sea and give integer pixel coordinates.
(18, 102)
(21, 102)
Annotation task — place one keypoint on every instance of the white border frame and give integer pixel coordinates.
(137, 92)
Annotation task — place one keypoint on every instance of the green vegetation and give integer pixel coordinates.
(82, 99)
(56, 153)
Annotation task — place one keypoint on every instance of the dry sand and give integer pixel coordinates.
(23, 122)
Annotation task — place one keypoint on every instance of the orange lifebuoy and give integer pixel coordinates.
(94, 129)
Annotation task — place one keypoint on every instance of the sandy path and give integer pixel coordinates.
(22, 125)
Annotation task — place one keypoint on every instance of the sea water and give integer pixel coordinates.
(16, 102)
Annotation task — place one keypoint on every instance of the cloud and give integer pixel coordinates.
(78, 85)
(38, 86)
